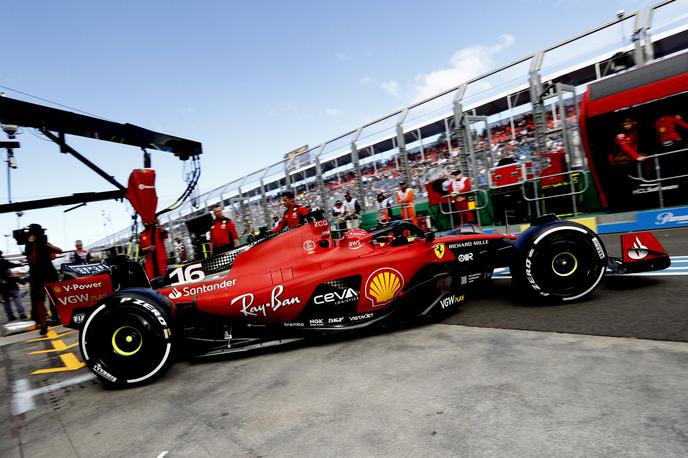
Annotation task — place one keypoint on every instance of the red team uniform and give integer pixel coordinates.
(159, 254)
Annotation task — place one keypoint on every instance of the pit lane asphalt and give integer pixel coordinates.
(474, 385)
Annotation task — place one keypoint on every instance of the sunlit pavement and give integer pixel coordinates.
(433, 390)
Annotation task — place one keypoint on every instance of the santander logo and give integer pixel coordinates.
(174, 294)
(638, 251)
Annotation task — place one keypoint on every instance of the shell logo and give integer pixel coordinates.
(383, 286)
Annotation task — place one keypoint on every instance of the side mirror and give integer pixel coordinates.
(429, 237)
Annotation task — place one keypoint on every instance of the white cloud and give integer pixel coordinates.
(464, 64)
(391, 87)
(333, 112)
(366, 80)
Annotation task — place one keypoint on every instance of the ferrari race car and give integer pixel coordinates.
(302, 283)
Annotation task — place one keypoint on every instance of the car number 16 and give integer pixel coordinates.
(190, 273)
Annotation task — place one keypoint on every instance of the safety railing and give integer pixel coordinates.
(573, 175)
(450, 205)
(659, 179)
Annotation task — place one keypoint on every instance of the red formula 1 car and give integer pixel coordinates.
(302, 282)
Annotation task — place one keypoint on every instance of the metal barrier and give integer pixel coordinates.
(658, 169)
(573, 192)
(451, 200)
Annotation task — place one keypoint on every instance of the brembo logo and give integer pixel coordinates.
(638, 251)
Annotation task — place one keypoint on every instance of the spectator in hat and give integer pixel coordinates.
(339, 214)
(353, 210)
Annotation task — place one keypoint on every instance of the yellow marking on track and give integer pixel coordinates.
(52, 335)
(58, 345)
(71, 363)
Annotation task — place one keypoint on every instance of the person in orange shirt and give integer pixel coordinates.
(405, 198)
(151, 242)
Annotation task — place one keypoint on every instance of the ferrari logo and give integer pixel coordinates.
(439, 251)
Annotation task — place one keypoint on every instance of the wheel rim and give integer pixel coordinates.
(564, 264)
(126, 341)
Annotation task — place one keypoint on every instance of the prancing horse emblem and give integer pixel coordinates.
(439, 251)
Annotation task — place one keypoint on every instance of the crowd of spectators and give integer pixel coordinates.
(517, 144)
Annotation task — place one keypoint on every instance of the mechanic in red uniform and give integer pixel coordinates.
(223, 233)
(156, 257)
(626, 143)
(293, 214)
(666, 129)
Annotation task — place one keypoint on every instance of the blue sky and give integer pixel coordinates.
(250, 80)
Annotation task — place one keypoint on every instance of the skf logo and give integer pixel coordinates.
(383, 286)
(439, 250)
(639, 251)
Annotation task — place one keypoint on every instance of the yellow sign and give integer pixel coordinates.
(439, 250)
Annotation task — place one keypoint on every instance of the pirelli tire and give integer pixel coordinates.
(561, 261)
(128, 340)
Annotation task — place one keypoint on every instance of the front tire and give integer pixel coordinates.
(564, 261)
(127, 340)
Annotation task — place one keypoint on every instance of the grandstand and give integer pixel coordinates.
(526, 111)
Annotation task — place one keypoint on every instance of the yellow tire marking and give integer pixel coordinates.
(58, 345)
(71, 363)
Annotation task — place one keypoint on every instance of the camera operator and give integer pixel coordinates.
(40, 254)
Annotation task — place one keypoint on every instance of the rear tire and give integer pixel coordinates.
(127, 340)
(564, 261)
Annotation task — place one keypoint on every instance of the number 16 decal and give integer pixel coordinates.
(188, 274)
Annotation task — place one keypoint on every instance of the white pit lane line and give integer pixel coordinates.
(679, 266)
(23, 396)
